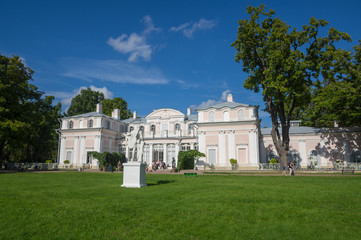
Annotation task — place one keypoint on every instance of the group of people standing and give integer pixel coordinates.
(290, 168)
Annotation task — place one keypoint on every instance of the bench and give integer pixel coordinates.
(190, 175)
(348, 170)
(109, 169)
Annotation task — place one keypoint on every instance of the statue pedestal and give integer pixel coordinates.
(134, 175)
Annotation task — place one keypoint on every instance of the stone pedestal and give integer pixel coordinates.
(134, 175)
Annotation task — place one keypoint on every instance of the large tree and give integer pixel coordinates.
(27, 120)
(85, 102)
(284, 63)
(110, 104)
(337, 97)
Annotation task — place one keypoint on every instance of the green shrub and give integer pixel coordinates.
(48, 161)
(186, 159)
(233, 161)
(66, 161)
(273, 161)
(107, 158)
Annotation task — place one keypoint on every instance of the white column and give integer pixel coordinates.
(253, 148)
(303, 152)
(231, 144)
(165, 153)
(222, 148)
(110, 145)
(62, 150)
(150, 154)
(82, 157)
(76, 151)
(176, 153)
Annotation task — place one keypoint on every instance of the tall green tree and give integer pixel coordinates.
(284, 63)
(110, 104)
(337, 97)
(27, 120)
(85, 102)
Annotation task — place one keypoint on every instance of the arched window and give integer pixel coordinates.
(131, 129)
(211, 116)
(293, 156)
(71, 124)
(177, 127)
(314, 158)
(226, 116)
(90, 123)
(80, 123)
(355, 156)
(152, 128)
(190, 128)
(240, 115)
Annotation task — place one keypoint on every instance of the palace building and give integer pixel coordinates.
(223, 131)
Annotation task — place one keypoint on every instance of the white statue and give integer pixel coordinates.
(135, 142)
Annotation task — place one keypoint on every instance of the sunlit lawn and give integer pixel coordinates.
(78, 205)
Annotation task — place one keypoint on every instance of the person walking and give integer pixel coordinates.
(290, 167)
(284, 170)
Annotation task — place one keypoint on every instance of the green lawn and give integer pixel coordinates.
(78, 205)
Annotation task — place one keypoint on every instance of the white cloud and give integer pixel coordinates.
(189, 28)
(111, 70)
(66, 97)
(211, 102)
(149, 25)
(135, 44)
(186, 85)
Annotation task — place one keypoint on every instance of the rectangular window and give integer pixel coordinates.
(212, 157)
(68, 155)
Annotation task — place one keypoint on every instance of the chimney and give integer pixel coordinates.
(229, 98)
(135, 114)
(99, 108)
(335, 123)
(188, 111)
(116, 113)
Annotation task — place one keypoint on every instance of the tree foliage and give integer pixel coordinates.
(110, 104)
(27, 119)
(85, 102)
(186, 159)
(338, 97)
(283, 64)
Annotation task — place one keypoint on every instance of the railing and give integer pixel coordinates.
(30, 166)
(336, 166)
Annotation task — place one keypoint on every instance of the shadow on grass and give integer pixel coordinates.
(160, 183)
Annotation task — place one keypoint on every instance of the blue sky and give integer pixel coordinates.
(154, 54)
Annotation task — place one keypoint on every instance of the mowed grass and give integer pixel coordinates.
(78, 205)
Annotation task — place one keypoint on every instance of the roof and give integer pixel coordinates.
(192, 117)
(308, 130)
(89, 114)
(133, 120)
(225, 104)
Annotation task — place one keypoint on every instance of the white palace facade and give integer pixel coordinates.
(222, 131)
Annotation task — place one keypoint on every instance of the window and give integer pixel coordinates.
(80, 123)
(211, 116)
(170, 154)
(190, 128)
(226, 116)
(146, 154)
(71, 124)
(335, 155)
(158, 153)
(107, 124)
(141, 128)
(152, 128)
(68, 156)
(314, 158)
(355, 156)
(212, 157)
(131, 129)
(90, 123)
(293, 156)
(177, 127)
(186, 147)
(240, 115)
